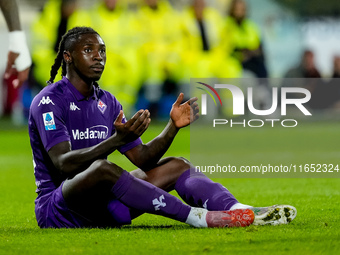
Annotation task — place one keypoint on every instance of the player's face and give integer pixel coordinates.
(89, 56)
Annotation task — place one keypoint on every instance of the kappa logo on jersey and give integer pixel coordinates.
(101, 106)
(73, 107)
(49, 121)
(159, 203)
(46, 100)
(95, 132)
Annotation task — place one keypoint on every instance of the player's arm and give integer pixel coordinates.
(10, 11)
(18, 54)
(71, 162)
(146, 156)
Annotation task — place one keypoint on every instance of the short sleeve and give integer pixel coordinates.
(48, 115)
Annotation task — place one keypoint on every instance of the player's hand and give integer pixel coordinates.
(184, 114)
(134, 127)
(22, 76)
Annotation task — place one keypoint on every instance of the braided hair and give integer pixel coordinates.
(66, 43)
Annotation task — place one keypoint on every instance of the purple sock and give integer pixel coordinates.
(144, 196)
(119, 211)
(199, 191)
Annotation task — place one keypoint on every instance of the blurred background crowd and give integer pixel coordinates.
(154, 47)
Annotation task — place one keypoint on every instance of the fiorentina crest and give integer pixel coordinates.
(101, 106)
(159, 202)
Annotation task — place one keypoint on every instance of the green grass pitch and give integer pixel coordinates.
(314, 231)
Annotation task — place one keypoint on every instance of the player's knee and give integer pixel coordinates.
(180, 163)
(106, 171)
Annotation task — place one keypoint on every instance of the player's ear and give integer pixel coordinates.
(67, 56)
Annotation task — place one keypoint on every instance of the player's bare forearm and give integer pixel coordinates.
(10, 10)
(71, 162)
(146, 156)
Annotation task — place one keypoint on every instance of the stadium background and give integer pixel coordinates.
(287, 28)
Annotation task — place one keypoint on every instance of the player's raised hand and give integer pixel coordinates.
(184, 114)
(133, 128)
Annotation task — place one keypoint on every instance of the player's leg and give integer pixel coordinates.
(104, 181)
(103, 178)
(88, 193)
(195, 189)
(198, 190)
(168, 174)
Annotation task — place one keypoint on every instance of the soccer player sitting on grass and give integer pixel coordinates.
(74, 125)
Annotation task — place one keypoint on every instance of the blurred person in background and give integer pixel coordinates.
(312, 81)
(161, 52)
(46, 32)
(119, 26)
(327, 94)
(242, 39)
(335, 82)
(306, 68)
(202, 55)
(336, 66)
(18, 59)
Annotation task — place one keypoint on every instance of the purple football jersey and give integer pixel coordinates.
(61, 113)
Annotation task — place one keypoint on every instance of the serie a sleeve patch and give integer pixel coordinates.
(49, 121)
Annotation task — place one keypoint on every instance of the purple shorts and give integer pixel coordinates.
(52, 212)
